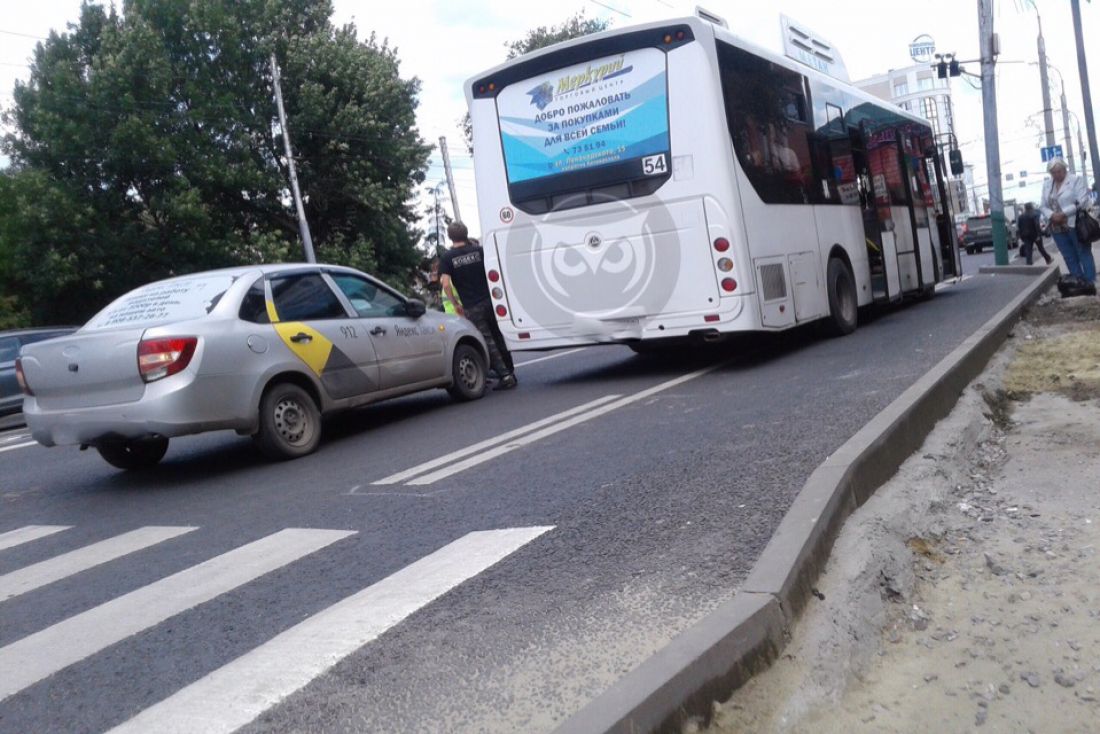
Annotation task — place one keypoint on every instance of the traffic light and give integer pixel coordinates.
(953, 68)
(956, 158)
(941, 69)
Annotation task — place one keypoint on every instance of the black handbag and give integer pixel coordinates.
(1086, 227)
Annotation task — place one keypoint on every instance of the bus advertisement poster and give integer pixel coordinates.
(601, 112)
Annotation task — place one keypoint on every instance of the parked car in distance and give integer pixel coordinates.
(978, 233)
(11, 397)
(263, 350)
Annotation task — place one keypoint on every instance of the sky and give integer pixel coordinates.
(445, 42)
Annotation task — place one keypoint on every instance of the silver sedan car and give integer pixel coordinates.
(263, 350)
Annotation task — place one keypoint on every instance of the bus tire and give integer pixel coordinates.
(843, 302)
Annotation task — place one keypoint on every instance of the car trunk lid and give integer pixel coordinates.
(85, 370)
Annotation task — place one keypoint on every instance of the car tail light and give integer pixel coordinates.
(494, 276)
(22, 378)
(159, 358)
(721, 244)
(502, 311)
(729, 285)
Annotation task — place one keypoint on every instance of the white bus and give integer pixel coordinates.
(672, 180)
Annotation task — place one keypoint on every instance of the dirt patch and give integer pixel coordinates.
(966, 593)
(1067, 363)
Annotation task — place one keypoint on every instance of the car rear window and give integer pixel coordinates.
(181, 299)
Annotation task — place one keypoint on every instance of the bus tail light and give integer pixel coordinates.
(494, 276)
(525, 335)
(725, 264)
(729, 285)
(497, 293)
(721, 244)
(22, 378)
(160, 358)
(710, 318)
(501, 310)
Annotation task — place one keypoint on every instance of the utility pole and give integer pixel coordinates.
(1065, 128)
(1086, 94)
(450, 176)
(303, 225)
(1044, 80)
(987, 42)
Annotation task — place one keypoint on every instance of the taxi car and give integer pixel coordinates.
(262, 350)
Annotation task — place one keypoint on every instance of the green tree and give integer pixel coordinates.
(574, 27)
(146, 145)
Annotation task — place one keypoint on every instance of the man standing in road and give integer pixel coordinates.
(462, 270)
(1030, 231)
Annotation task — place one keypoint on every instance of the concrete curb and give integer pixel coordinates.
(1011, 269)
(714, 657)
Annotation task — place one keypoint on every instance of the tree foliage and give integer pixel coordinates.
(146, 145)
(576, 26)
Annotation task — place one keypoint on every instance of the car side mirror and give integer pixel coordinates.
(415, 308)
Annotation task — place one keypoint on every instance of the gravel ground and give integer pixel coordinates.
(966, 593)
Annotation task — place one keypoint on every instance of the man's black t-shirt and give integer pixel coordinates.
(466, 266)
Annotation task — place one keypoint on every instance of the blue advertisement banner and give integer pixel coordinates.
(603, 112)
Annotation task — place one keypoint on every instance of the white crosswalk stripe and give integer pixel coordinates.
(54, 569)
(235, 694)
(19, 536)
(39, 655)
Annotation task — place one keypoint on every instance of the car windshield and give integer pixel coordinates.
(181, 299)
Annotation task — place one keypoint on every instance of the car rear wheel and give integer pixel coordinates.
(290, 423)
(843, 304)
(468, 374)
(140, 453)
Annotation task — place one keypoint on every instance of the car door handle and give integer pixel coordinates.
(299, 338)
(377, 331)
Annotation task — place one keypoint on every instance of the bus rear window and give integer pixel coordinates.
(599, 127)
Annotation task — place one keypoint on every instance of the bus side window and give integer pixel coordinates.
(768, 119)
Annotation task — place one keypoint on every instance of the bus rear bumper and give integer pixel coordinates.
(734, 314)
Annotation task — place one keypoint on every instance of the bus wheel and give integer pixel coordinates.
(843, 306)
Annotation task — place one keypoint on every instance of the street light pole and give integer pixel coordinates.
(1086, 94)
(1065, 128)
(987, 44)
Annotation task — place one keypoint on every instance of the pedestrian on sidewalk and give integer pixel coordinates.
(1063, 194)
(1030, 230)
(462, 273)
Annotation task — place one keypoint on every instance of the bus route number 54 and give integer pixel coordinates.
(654, 165)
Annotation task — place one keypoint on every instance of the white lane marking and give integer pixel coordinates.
(16, 437)
(552, 356)
(19, 536)
(18, 446)
(557, 427)
(29, 660)
(54, 569)
(487, 443)
(241, 690)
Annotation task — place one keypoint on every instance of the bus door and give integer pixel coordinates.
(874, 200)
(949, 250)
(921, 209)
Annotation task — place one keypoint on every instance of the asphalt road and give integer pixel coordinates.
(612, 529)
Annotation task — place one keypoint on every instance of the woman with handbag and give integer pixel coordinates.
(1064, 194)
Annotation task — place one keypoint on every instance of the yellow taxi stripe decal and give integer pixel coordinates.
(272, 314)
(314, 352)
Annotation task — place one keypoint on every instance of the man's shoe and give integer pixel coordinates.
(506, 383)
